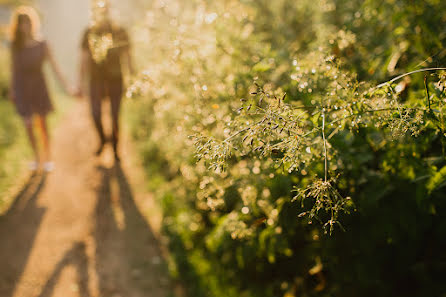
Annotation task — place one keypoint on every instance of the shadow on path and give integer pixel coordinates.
(18, 229)
(128, 257)
(76, 257)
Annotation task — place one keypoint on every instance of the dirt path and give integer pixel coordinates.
(80, 231)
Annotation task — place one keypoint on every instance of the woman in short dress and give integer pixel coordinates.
(28, 88)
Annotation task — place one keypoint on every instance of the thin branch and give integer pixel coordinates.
(238, 133)
(325, 146)
(407, 74)
(426, 86)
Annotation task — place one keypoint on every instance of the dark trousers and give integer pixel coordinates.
(101, 89)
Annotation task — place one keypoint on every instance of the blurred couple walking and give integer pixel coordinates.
(105, 50)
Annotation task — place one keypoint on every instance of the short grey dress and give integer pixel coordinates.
(28, 81)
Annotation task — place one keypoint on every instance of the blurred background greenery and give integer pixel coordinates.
(238, 232)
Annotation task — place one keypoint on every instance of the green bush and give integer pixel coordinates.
(334, 189)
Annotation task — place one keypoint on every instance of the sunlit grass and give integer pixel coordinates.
(13, 151)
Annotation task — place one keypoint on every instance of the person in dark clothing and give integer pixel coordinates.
(105, 50)
(28, 88)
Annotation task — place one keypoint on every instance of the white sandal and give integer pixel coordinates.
(48, 166)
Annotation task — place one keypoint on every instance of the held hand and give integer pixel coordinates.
(78, 93)
(66, 88)
(72, 91)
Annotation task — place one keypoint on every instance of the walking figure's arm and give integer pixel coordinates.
(83, 72)
(56, 70)
(126, 53)
(129, 61)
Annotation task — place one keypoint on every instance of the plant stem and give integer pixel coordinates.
(407, 74)
(427, 92)
(325, 145)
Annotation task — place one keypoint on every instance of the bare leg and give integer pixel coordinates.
(96, 112)
(45, 137)
(115, 108)
(32, 139)
(115, 92)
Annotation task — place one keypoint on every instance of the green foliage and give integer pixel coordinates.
(437, 181)
(12, 137)
(281, 104)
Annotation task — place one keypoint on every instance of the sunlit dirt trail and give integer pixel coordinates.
(80, 230)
